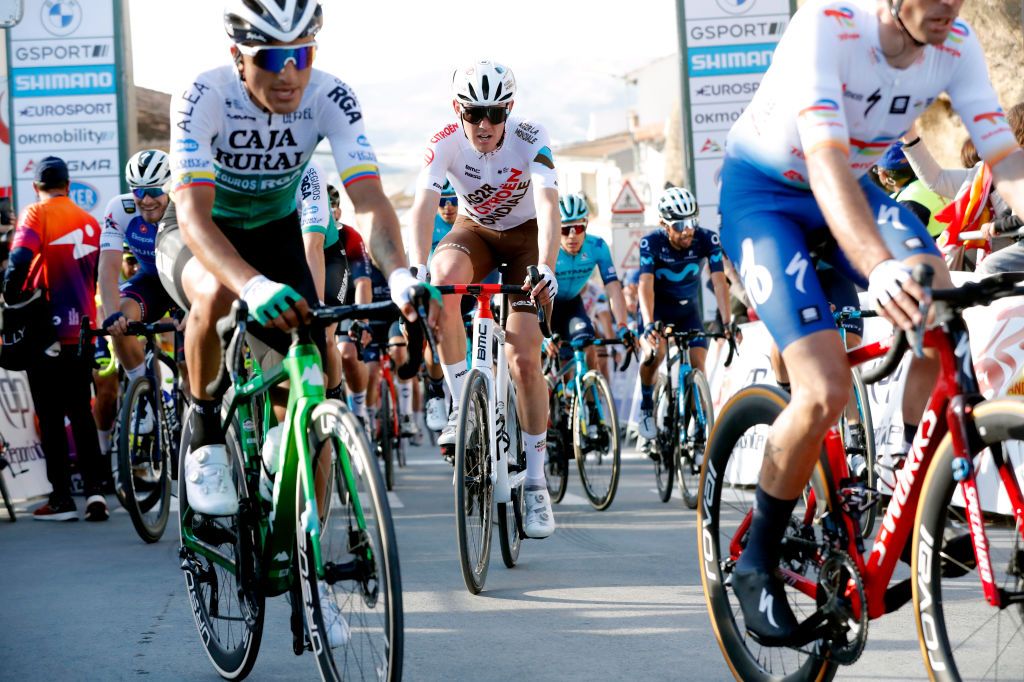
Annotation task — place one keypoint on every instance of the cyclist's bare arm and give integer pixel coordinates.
(721, 287)
(845, 207)
(378, 224)
(314, 244)
(424, 206)
(1008, 178)
(549, 225)
(617, 302)
(364, 290)
(107, 274)
(645, 294)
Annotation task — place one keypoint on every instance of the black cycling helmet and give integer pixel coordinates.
(267, 21)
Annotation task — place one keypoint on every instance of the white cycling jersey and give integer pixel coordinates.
(312, 200)
(495, 189)
(848, 95)
(220, 137)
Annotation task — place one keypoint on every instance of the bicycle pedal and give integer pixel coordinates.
(448, 454)
(806, 632)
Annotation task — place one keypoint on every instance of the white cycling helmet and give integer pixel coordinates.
(266, 21)
(677, 203)
(483, 84)
(148, 168)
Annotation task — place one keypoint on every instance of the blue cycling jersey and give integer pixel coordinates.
(441, 229)
(381, 290)
(123, 224)
(573, 272)
(677, 271)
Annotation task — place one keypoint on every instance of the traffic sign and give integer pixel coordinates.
(628, 201)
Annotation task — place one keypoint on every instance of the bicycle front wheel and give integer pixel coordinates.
(386, 439)
(862, 442)
(556, 465)
(353, 598)
(728, 476)
(142, 464)
(595, 440)
(474, 494)
(664, 445)
(698, 420)
(510, 514)
(961, 636)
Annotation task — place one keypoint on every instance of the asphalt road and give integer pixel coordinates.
(612, 595)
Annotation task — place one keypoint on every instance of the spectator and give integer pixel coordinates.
(56, 248)
(898, 178)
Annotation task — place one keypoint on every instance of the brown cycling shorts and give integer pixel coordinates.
(488, 249)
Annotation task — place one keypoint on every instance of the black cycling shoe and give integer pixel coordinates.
(762, 597)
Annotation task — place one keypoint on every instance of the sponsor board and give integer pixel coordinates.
(712, 89)
(47, 138)
(72, 52)
(733, 10)
(17, 423)
(708, 173)
(710, 145)
(57, 81)
(83, 109)
(64, 19)
(713, 117)
(754, 29)
(729, 60)
(91, 193)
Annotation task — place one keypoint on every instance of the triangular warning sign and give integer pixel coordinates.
(628, 200)
(632, 257)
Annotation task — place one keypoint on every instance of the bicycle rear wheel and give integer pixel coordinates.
(227, 605)
(556, 466)
(386, 440)
(474, 494)
(698, 420)
(595, 440)
(360, 589)
(728, 476)
(861, 442)
(143, 466)
(960, 634)
(510, 514)
(664, 445)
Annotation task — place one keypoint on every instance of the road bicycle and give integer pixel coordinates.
(388, 431)
(583, 424)
(326, 538)
(967, 561)
(148, 431)
(490, 463)
(683, 415)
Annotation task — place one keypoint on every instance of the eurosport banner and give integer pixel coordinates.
(66, 78)
(728, 45)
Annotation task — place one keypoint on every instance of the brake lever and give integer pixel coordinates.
(421, 313)
(923, 275)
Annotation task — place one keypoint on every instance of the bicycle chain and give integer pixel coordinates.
(839, 568)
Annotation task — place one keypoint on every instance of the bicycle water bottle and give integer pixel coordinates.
(268, 454)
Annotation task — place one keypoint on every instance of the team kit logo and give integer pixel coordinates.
(736, 6)
(61, 17)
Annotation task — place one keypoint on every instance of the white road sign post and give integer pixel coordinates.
(67, 97)
(727, 46)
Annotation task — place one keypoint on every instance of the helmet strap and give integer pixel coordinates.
(894, 10)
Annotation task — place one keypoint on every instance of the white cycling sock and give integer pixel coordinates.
(536, 447)
(405, 398)
(135, 372)
(454, 376)
(104, 441)
(357, 403)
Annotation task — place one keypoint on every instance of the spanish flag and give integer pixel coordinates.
(967, 212)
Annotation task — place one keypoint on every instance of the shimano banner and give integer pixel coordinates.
(65, 79)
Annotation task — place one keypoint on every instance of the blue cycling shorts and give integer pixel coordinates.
(773, 233)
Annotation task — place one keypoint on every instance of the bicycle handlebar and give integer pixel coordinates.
(86, 331)
(681, 337)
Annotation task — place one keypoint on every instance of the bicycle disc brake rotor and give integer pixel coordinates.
(840, 588)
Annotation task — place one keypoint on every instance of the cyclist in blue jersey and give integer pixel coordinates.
(579, 254)
(447, 212)
(670, 264)
(436, 405)
(131, 221)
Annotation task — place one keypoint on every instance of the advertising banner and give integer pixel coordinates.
(5, 136)
(728, 46)
(65, 80)
(26, 476)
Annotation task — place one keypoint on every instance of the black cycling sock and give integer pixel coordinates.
(334, 393)
(909, 431)
(646, 397)
(771, 517)
(435, 388)
(784, 385)
(206, 427)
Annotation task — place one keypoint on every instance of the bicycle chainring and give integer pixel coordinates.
(840, 586)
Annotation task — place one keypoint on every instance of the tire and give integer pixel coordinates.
(143, 462)
(7, 496)
(474, 493)
(698, 420)
(370, 602)
(745, 419)
(385, 440)
(860, 394)
(232, 634)
(959, 633)
(510, 514)
(664, 441)
(597, 459)
(556, 467)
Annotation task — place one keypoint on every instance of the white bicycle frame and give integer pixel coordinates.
(485, 331)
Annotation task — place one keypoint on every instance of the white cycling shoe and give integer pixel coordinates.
(646, 428)
(208, 481)
(437, 417)
(338, 632)
(447, 436)
(540, 520)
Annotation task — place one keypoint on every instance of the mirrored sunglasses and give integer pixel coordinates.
(448, 201)
(573, 229)
(274, 58)
(495, 115)
(143, 192)
(682, 225)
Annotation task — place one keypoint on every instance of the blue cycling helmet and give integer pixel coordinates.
(447, 190)
(573, 208)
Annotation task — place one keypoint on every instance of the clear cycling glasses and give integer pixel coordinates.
(141, 193)
(495, 115)
(274, 58)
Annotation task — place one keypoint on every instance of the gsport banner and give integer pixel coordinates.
(65, 84)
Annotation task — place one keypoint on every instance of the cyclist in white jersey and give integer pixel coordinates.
(241, 136)
(504, 174)
(846, 81)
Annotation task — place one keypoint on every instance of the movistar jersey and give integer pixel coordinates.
(830, 85)
(221, 138)
(314, 205)
(495, 189)
(572, 272)
(123, 224)
(677, 271)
